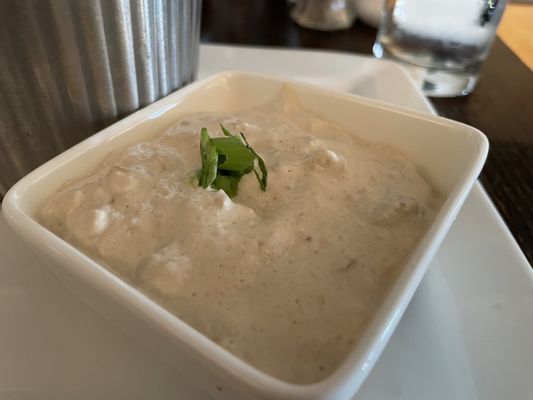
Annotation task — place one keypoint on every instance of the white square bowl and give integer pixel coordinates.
(448, 154)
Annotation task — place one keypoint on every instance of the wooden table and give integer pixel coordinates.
(501, 106)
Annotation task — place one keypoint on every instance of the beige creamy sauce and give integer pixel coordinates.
(285, 279)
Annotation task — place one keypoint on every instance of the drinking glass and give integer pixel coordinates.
(446, 41)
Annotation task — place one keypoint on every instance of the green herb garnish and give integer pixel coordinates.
(263, 179)
(226, 159)
(209, 159)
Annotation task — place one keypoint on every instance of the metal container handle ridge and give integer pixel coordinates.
(69, 68)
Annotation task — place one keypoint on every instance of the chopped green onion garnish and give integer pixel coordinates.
(228, 183)
(209, 159)
(263, 180)
(232, 155)
(225, 160)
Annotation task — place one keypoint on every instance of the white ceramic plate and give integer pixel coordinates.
(471, 315)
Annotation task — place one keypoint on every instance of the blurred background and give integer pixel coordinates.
(515, 30)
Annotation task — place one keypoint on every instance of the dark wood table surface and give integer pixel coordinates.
(501, 105)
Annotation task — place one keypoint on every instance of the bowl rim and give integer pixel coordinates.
(350, 374)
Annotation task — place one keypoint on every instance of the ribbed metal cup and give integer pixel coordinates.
(68, 68)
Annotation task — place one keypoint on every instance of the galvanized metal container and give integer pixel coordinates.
(68, 68)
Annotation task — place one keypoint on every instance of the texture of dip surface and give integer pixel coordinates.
(284, 279)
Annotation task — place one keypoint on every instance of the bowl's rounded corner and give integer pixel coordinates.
(482, 144)
(9, 203)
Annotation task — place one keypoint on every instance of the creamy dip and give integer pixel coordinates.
(285, 279)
